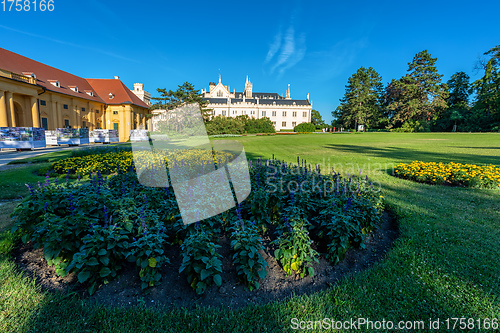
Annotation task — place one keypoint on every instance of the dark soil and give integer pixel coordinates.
(175, 291)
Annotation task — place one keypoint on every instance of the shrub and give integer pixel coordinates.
(252, 125)
(304, 127)
(225, 125)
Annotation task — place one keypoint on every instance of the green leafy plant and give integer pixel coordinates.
(246, 244)
(200, 261)
(148, 253)
(294, 250)
(101, 255)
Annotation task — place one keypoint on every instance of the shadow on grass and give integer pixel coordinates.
(408, 155)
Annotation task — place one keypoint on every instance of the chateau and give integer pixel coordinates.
(33, 94)
(284, 112)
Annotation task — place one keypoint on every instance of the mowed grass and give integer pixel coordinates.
(13, 181)
(445, 264)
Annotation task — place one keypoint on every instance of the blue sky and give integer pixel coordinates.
(313, 46)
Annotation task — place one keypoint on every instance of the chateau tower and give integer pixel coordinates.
(248, 88)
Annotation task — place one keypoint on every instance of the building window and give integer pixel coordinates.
(244, 112)
(263, 113)
(66, 123)
(115, 112)
(98, 125)
(96, 111)
(274, 113)
(84, 124)
(116, 126)
(65, 106)
(294, 123)
(294, 114)
(45, 124)
(223, 113)
(42, 102)
(283, 124)
(304, 114)
(284, 113)
(83, 109)
(219, 94)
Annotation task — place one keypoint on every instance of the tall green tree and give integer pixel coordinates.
(459, 90)
(185, 94)
(361, 103)
(486, 109)
(419, 96)
(316, 118)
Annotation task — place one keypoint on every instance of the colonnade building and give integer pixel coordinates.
(33, 94)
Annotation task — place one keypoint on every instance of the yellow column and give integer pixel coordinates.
(92, 119)
(78, 116)
(109, 119)
(55, 112)
(60, 120)
(143, 121)
(4, 120)
(34, 112)
(12, 112)
(72, 115)
(128, 122)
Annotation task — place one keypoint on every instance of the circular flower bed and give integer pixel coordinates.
(92, 229)
(450, 173)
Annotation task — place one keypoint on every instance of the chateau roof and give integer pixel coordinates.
(45, 74)
(59, 81)
(261, 101)
(121, 94)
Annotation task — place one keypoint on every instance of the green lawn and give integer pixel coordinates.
(445, 263)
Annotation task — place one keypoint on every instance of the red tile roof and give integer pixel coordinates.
(121, 94)
(45, 74)
(18, 64)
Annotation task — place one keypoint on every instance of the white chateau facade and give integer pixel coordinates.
(284, 112)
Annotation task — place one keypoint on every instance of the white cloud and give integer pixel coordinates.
(288, 49)
(275, 46)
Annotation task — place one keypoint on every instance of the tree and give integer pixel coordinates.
(418, 96)
(486, 110)
(316, 118)
(459, 90)
(361, 101)
(185, 94)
